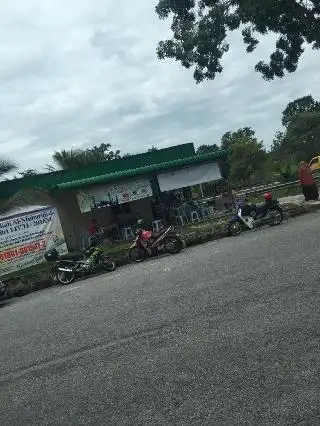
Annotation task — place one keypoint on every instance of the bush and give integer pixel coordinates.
(288, 172)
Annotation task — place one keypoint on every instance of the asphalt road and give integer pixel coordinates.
(226, 333)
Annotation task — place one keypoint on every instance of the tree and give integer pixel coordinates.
(27, 197)
(206, 149)
(288, 171)
(300, 141)
(200, 29)
(248, 156)
(303, 136)
(73, 158)
(277, 143)
(304, 104)
(6, 167)
(230, 138)
(50, 168)
(248, 160)
(28, 172)
(153, 149)
(101, 153)
(69, 159)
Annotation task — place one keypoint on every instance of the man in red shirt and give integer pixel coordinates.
(94, 237)
(93, 228)
(307, 182)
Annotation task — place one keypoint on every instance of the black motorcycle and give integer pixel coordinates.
(67, 270)
(249, 216)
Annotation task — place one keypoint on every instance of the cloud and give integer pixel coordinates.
(74, 74)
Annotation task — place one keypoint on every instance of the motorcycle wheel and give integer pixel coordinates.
(136, 255)
(276, 217)
(107, 264)
(64, 278)
(235, 228)
(173, 245)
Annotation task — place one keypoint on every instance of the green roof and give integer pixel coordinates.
(48, 181)
(195, 159)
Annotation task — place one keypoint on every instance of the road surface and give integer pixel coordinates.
(226, 333)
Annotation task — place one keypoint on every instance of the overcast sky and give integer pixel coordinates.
(75, 73)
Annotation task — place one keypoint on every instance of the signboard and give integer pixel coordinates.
(189, 176)
(117, 192)
(25, 238)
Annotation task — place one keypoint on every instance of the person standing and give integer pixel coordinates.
(94, 235)
(93, 227)
(307, 182)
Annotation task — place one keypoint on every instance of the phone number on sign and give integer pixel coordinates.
(22, 251)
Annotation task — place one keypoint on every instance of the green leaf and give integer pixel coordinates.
(200, 29)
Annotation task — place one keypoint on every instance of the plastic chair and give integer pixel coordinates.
(195, 216)
(179, 220)
(157, 225)
(127, 233)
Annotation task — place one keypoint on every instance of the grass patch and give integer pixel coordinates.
(31, 270)
(278, 193)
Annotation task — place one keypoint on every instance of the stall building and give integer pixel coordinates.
(117, 192)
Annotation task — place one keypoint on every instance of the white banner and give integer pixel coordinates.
(25, 238)
(189, 176)
(117, 192)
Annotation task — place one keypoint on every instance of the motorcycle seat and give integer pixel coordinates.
(260, 206)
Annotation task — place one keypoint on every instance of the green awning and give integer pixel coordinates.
(196, 159)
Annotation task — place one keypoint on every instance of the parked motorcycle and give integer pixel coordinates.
(93, 260)
(148, 244)
(249, 216)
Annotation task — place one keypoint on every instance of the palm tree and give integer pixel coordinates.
(28, 172)
(69, 159)
(26, 197)
(6, 166)
(73, 158)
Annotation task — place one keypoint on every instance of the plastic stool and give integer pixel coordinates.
(157, 225)
(127, 232)
(195, 217)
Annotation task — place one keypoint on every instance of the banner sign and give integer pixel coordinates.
(116, 193)
(189, 176)
(25, 238)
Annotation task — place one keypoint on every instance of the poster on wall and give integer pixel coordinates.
(189, 176)
(117, 192)
(25, 238)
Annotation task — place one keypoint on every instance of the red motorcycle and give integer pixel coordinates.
(149, 244)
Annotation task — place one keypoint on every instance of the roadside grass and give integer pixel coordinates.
(278, 193)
